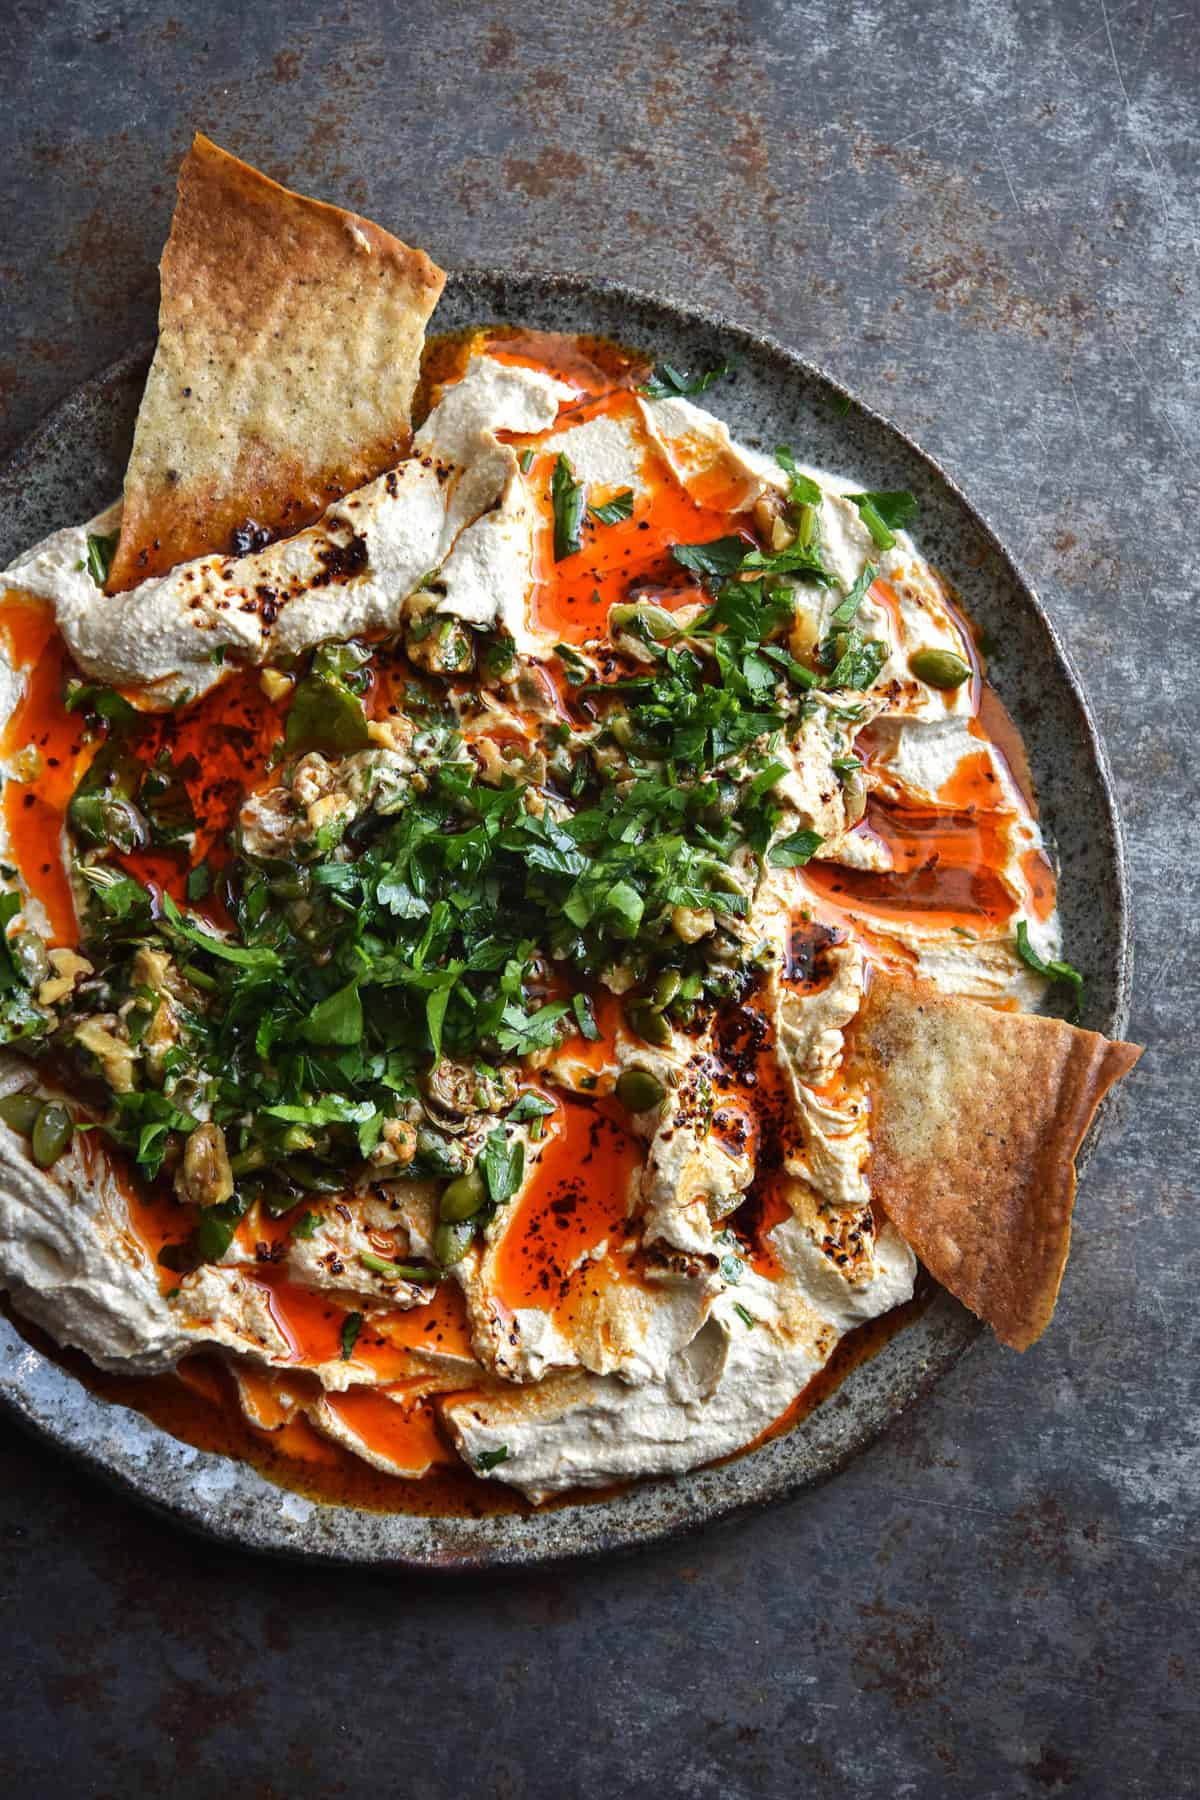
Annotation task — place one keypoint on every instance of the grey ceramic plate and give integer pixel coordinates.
(74, 464)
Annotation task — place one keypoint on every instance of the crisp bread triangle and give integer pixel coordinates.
(976, 1118)
(290, 338)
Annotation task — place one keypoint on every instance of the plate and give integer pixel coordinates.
(73, 464)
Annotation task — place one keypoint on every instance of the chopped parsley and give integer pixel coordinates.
(351, 1326)
(502, 1165)
(671, 383)
(101, 548)
(794, 851)
(491, 1459)
(569, 500)
(614, 510)
(884, 513)
(1062, 972)
(447, 918)
(719, 556)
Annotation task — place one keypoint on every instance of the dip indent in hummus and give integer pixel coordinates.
(452, 916)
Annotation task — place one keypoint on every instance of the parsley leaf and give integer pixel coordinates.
(569, 499)
(719, 556)
(884, 513)
(843, 614)
(502, 1165)
(101, 548)
(351, 1326)
(802, 489)
(585, 1018)
(256, 957)
(199, 882)
(336, 1020)
(794, 851)
(613, 511)
(529, 1106)
(860, 661)
(1053, 971)
(671, 383)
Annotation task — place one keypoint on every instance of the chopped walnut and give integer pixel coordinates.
(275, 684)
(326, 809)
(398, 1145)
(690, 923)
(98, 1037)
(393, 733)
(68, 967)
(312, 778)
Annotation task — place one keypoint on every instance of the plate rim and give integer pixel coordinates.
(783, 1484)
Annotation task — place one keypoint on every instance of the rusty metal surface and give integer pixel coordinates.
(981, 218)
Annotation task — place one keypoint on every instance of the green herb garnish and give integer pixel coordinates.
(671, 383)
(503, 1166)
(884, 513)
(569, 499)
(615, 510)
(719, 556)
(1064, 972)
(101, 548)
(794, 851)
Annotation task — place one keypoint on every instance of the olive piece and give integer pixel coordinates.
(461, 1199)
(649, 1024)
(20, 1111)
(638, 1090)
(451, 1241)
(52, 1131)
(939, 668)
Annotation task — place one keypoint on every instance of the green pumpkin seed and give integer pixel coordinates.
(30, 953)
(451, 1241)
(20, 1111)
(638, 1090)
(939, 668)
(462, 1198)
(655, 620)
(52, 1132)
(649, 1024)
(666, 988)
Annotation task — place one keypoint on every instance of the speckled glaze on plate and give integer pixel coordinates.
(73, 464)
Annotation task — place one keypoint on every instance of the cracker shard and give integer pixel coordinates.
(976, 1118)
(290, 338)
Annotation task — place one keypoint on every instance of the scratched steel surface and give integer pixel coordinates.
(982, 218)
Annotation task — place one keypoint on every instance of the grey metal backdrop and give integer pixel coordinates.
(982, 218)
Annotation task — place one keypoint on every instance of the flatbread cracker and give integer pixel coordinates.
(290, 337)
(976, 1117)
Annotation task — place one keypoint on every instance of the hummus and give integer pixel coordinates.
(486, 1079)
